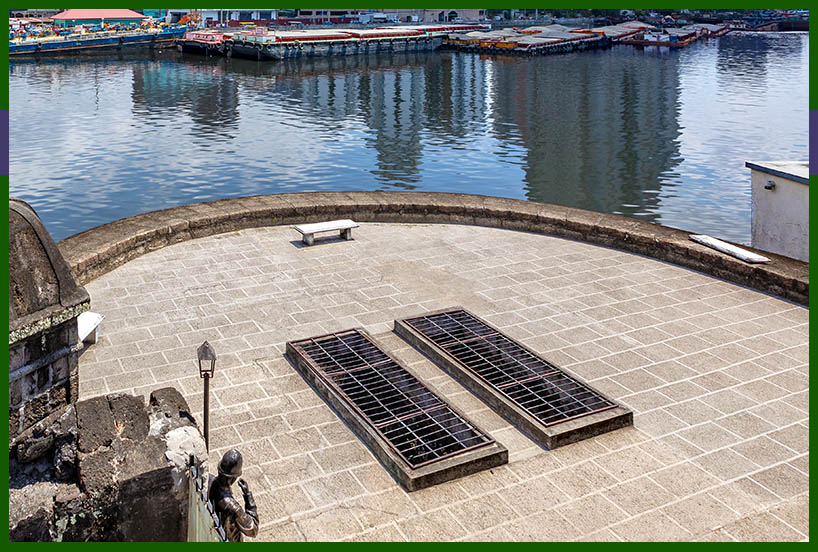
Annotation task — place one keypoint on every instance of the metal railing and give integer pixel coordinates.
(202, 521)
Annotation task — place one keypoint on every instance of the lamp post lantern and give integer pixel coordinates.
(207, 366)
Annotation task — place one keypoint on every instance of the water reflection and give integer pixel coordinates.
(597, 135)
(660, 136)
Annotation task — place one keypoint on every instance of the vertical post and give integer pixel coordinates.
(206, 407)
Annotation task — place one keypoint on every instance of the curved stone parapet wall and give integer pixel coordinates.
(97, 251)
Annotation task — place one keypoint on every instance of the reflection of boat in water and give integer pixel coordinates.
(105, 40)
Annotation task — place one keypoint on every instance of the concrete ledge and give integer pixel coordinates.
(99, 250)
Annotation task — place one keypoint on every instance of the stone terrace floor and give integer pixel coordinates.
(716, 374)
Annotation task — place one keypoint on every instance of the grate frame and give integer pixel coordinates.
(387, 405)
(509, 383)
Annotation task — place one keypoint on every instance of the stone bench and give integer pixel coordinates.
(87, 324)
(308, 231)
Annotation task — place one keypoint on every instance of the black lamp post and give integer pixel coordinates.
(207, 366)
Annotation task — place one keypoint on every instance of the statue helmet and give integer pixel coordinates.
(230, 465)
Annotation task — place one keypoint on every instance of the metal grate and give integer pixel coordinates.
(533, 384)
(414, 421)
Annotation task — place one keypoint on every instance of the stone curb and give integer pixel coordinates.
(99, 250)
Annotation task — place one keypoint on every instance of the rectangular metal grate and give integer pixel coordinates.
(530, 382)
(417, 424)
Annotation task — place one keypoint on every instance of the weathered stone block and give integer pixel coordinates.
(15, 393)
(31, 512)
(18, 355)
(59, 395)
(43, 377)
(130, 417)
(14, 422)
(97, 472)
(95, 423)
(168, 404)
(36, 409)
(59, 370)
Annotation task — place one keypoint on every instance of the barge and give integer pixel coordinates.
(678, 37)
(541, 40)
(105, 40)
(266, 44)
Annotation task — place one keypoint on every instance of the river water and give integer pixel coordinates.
(656, 135)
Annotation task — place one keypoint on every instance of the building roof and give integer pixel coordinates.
(99, 14)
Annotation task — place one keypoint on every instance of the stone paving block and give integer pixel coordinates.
(794, 513)
(628, 463)
(795, 437)
(223, 437)
(763, 527)
(715, 380)
(228, 416)
(670, 370)
(256, 453)
(263, 428)
(300, 441)
(333, 488)
(330, 525)
(382, 508)
(582, 479)
(761, 391)
(693, 412)
(652, 526)
(764, 451)
(433, 498)
(700, 514)
(289, 471)
(709, 436)
(799, 400)
(745, 424)
(239, 394)
(684, 479)
(682, 391)
(488, 480)
(591, 513)
(728, 401)
(341, 457)
(791, 380)
(373, 477)
(638, 495)
(646, 401)
(534, 495)
(542, 526)
(785, 481)
(310, 416)
(605, 535)
(745, 496)
(385, 533)
(481, 513)
(438, 526)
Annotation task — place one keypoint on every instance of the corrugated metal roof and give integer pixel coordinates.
(99, 14)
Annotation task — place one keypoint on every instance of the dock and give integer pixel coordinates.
(105, 40)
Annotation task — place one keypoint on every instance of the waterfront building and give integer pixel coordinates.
(215, 16)
(71, 18)
(404, 15)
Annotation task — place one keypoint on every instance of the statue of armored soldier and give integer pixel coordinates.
(237, 522)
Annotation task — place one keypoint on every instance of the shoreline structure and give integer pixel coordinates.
(99, 250)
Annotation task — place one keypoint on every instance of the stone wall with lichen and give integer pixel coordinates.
(110, 468)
